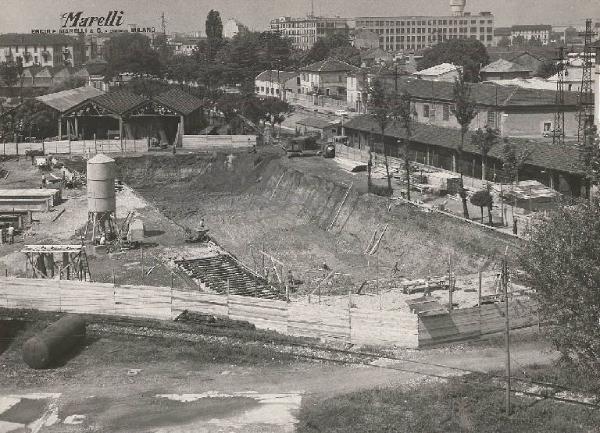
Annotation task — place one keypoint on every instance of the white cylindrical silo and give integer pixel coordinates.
(101, 184)
(458, 7)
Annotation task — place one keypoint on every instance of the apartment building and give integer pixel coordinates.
(304, 32)
(41, 49)
(540, 32)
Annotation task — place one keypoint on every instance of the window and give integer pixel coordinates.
(491, 118)
(547, 126)
(446, 112)
(262, 88)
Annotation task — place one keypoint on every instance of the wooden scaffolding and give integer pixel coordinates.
(65, 262)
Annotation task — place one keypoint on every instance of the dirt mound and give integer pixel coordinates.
(307, 218)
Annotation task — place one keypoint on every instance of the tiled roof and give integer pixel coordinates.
(329, 65)
(179, 101)
(502, 65)
(543, 154)
(274, 75)
(12, 39)
(484, 94)
(120, 101)
(67, 99)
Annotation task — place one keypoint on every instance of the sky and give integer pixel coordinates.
(190, 15)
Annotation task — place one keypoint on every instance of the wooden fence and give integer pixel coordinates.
(217, 142)
(472, 323)
(82, 147)
(350, 325)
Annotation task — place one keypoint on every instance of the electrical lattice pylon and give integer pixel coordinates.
(558, 134)
(586, 97)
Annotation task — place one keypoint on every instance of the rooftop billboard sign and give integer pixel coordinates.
(80, 22)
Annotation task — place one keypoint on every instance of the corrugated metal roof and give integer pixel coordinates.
(67, 99)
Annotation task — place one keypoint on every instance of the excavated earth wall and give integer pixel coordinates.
(307, 218)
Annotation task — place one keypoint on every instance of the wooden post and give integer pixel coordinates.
(349, 315)
(59, 128)
(142, 253)
(113, 277)
(228, 312)
(480, 288)
(450, 283)
(121, 131)
(507, 334)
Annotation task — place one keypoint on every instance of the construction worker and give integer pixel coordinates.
(44, 181)
(11, 234)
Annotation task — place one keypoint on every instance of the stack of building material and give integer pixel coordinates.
(29, 199)
(443, 181)
(423, 284)
(222, 273)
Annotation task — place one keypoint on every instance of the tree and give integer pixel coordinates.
(504, 42)
(214, 33)
(20, 71)
(465, 111)
(383, 110)
(560, 263)
(406, 114)
(131, 52)
(547, 69)
(471, 54)
(513, 160)
(482, 199)
(350, 55)
(589, 155)
(319, 51)
(9, 73)
(518, 41)
(484, 140)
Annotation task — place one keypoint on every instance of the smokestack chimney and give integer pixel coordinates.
(458, 7)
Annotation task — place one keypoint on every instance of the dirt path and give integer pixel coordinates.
(162, 393)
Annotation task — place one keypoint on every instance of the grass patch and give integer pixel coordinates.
(449, 407)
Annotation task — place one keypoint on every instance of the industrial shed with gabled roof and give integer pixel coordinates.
(559, 167)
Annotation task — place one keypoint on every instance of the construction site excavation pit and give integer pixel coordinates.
(308, 221)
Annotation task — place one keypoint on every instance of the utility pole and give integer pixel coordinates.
(558, 134)
(586, 97)
(507, 336)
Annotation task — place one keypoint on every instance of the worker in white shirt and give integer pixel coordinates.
(11, 235)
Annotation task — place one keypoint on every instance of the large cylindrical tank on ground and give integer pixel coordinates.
(458, 7)
(101, 184)
(54, 342)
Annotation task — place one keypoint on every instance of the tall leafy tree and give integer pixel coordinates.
(384, 110)
(560, 263)
(513, 159)
(214, 32)
(465, 111)
(471, 54)
(485, 139)
(483, 199)
(9, 73)
(131, 52)
(406, 114)
(589, 155)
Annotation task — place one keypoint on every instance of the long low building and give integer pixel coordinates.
(558, 167)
